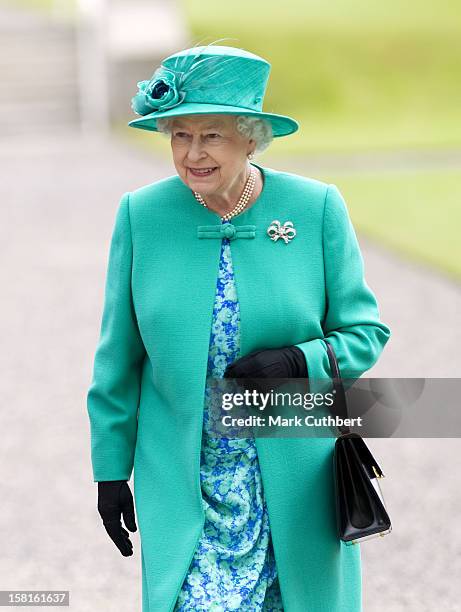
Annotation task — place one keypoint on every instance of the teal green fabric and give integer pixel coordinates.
(208, 79)
(146, 397)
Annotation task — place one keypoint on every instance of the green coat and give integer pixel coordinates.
(146, 398)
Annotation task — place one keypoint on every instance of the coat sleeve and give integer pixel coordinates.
(352, 322)
(113, 396)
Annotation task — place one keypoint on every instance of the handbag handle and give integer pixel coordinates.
(340, 403)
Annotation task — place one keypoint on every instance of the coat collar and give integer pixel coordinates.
(243, 225)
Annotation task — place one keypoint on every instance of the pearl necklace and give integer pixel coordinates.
(244, 198)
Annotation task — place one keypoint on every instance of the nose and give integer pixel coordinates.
(195, 151)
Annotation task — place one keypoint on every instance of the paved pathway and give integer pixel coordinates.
(59, 199)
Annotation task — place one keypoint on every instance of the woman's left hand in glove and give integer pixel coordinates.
(287, 362)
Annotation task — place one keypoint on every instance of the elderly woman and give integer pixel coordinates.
(236, 270)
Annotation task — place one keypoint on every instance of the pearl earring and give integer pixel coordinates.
(250, 155)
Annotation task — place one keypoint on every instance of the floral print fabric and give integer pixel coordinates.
(233, 567)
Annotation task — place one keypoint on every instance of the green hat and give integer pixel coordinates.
(207, 80)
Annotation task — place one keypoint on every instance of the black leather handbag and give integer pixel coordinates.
(360, 510)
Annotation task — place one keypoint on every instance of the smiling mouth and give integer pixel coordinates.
(201, 172)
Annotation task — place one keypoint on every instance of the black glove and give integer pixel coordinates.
(287, 362)
(114, 499)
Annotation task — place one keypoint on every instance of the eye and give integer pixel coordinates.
(180, 134)
(213, 136)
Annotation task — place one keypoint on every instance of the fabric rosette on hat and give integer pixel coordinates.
(159, 93)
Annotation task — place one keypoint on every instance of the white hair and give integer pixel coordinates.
(254, 128)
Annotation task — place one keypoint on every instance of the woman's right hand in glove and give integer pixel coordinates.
(115, 499)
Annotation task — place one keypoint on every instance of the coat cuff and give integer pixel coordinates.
(318, 366)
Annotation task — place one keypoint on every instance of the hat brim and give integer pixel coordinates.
(281, 125)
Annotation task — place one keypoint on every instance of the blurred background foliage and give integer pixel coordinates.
(363, 74)
(416, 214)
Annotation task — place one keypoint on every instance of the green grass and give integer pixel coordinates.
(417, 214)
(336, 13)
(355, 75)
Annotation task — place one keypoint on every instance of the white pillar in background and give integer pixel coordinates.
(93, 65)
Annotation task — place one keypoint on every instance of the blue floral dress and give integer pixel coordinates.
(233, 567)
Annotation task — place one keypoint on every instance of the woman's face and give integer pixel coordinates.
(210, 142)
